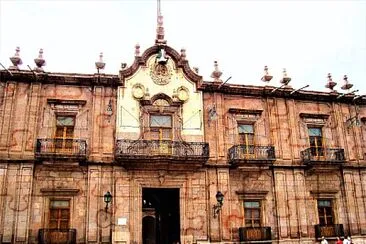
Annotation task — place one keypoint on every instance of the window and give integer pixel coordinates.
(246, 137)
(161, 127)
(316, 141)
(252, 213)
(64, 132)
(59, 214)
(325, 212)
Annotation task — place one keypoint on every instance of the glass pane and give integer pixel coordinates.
(248, 214)
(330, 220)
(160, 121)
(324, 203)
(257, 223)
(64, 224)
(53, 224)
(248, 223)
(59, 203)
(322, 221)
(166, 134)
(53, 214)
(65, 121)
(246, 129)
(254, 204)
(256, 214)
(69, 132)
(59, 131)
(64, 214)
(315, 132)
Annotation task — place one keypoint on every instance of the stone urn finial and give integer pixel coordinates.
(216, 74)
(183, 54)
(16, 60)
(285, 79)
(100, 64)
(346, 85)
(137, 50)
(266, 77)
(330, 84)
(40, 61)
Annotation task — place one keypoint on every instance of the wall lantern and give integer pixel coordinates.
(220, 201)
(107, 199)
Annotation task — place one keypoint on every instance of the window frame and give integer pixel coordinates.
(59, 218)
(251, 210)
(316, 150)
(325, 216)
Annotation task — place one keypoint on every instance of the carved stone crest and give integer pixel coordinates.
(160, 73)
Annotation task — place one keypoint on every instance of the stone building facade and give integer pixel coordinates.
(289, 164)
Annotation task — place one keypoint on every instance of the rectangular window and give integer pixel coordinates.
(161, 127)
(246, 137)
(325, 212)
(59, 214)
(316, 141)
(252, 213)
(64, 132)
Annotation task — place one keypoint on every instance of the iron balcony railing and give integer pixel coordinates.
(65, 236)
(329, 230)
(255, 234)
(251, 153)
(150, 149)
(61, 148)
(323, 155)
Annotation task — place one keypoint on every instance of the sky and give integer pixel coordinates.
(308, 38)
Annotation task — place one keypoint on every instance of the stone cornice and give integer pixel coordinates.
(59, 78)
(271, 92)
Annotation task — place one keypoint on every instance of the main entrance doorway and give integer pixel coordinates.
(160, 216)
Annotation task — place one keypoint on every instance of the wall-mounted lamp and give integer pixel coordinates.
(107, 199)
(109, 110)
(220, 201)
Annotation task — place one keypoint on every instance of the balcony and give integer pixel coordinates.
(46, 236)
(242, 155)
(161, 150)
(54, 148)
(255, 234)
(323, 156)
(329, 231)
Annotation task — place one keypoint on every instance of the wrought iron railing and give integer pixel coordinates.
(54, 147)
(145, 149)
(329, 230)
(332, 155)
(251, 153)
(255, 233)
(65, 236)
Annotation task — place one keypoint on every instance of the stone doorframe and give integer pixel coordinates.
(136, 202)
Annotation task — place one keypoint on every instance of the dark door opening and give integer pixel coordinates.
(160, 216)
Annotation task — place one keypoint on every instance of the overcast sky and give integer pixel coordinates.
(309, 38)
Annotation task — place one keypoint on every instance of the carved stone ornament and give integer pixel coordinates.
(138, 91)
(160, 73)
(183, 93)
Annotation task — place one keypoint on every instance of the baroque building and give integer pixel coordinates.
(155, 154)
